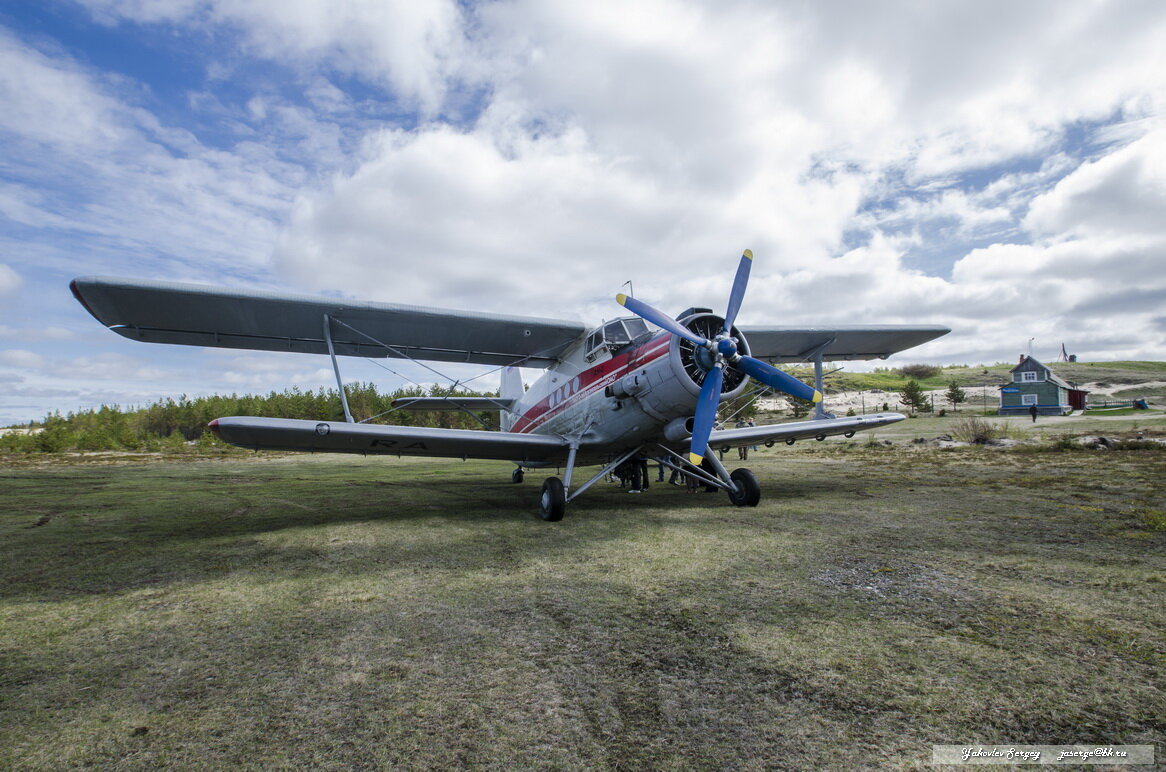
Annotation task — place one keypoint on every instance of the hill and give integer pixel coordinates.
(1119, 379)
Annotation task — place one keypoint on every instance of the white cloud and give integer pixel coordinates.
(93, 165)
(36, 334)
(1121, 195)
(48, 102)
(21, 358)
(995, 166)
(10, 280)
(413, 46)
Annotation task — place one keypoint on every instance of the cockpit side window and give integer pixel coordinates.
(594, 344)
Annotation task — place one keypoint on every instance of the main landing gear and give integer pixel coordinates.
(741, 486)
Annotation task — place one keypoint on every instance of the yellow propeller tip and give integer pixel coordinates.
(747, 253)
(817, 397)
(695, 459)
(621, 299)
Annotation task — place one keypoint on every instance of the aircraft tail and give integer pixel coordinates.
(511, 389)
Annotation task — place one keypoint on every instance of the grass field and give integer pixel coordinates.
(333, 612)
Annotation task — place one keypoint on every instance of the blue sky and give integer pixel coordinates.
(996, 167)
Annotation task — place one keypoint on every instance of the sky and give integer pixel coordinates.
(995, 167)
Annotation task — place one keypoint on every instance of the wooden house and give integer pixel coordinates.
(1035, 384)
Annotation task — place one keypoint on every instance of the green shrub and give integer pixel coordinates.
(920, 372)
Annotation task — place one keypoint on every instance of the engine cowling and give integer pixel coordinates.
(696, 361)
(673, 382)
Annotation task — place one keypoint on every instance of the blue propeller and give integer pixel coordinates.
(724, 351)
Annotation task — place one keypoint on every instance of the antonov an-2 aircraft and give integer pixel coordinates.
(608, 393)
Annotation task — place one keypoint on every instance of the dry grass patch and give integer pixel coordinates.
(337, 612)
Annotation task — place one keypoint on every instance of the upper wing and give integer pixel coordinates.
(341, 437)
(797, 430)
(195, 315)
(798, 344)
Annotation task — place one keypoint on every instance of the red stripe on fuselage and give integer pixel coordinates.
(589, 381)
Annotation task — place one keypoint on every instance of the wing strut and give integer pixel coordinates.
(598, 475)
(336, 368)
(816, 355)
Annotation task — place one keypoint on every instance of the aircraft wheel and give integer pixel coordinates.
(552, 502)
(517, 476)
(748, 490)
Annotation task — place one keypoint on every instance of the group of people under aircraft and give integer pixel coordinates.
(634, 475)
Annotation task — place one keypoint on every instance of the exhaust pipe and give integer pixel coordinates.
(678, 429)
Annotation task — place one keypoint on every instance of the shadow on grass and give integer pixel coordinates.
(118, 529)
(85, 531)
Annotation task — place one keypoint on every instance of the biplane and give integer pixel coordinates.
(643, 385)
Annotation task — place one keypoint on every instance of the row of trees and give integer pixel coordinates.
(171, 424)
(918, 400)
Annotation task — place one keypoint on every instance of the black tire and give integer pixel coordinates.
(517, 476)
(748, 490)
(552, 502)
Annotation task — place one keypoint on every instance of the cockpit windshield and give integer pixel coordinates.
(615, 334)
(635, 327)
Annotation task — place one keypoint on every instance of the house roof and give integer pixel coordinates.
(1051, 376)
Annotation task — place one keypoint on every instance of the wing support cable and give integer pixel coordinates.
(439, 374)
(759, 390)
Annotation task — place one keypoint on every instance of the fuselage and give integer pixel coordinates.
(619, 395)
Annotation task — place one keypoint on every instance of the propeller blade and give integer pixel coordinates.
(659, 318)
(738, 291)
(777, 379)
(706, 413)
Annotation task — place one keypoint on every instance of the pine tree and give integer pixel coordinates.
(955, 395)
(913, 396)
(798, 408)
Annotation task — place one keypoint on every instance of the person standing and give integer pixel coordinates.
(635, 475)
(1032, 411)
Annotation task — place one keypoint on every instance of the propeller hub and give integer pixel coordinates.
(704, 358)
(727, 347)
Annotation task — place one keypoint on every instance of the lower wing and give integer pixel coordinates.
(341, 437)
(798, 430)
